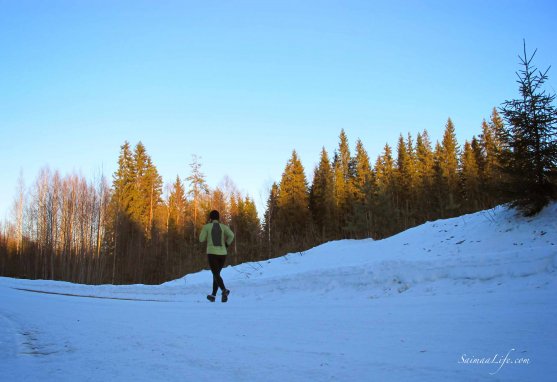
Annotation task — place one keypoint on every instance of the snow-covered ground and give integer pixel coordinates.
(434, 303)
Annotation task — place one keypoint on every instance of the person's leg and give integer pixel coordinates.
(221, 259)
(215, 270)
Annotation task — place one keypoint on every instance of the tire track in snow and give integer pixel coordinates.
(89, 296)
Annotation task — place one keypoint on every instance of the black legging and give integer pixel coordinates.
(216, 262)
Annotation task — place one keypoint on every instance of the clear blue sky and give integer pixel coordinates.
(242, 83)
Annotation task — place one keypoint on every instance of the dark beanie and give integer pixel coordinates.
(214, 215)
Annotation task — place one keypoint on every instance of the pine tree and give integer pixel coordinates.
(253, 224)
(425, 174)
(531, 134)
(479, 156)
(147, 190)
(270, 219)
(120, 220)
(138, 204)
(411, 163)
(321, 199)
(363, 176)
(386, 221)
(175, 227)
(439, 194)
(405, 179)
(123, 179)
(449, 168)
(360, 222)
(293, 204)
(470, 178)
(152, 186)
(246, 226)
(343, 182)
(339, 194)
(177, 204)
(483, 198)
(218, 202)
(344, 160)
(488, 160)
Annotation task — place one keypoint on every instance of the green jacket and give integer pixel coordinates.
(216, 235)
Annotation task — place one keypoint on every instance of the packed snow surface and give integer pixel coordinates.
(468, 298)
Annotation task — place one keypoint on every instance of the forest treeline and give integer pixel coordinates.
(417, 181)
(134, 231)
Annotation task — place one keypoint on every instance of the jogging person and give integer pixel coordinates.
(218, 237)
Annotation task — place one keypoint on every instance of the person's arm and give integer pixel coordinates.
(229, 235)
(203, 235)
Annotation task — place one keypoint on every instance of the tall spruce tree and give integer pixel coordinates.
(293, 202)
(360, 223)
(270, 219)
(344, 186)
(321, 199)
(489, 163)
(405, 180)
(386, 217)
(246, 227)
(439, 194)
(123, 179)
(449, 169)
(483, 198)
(120, 221)
(147, 189)
(531, 134)
(218, 202)
(470, 179)
(425, 176)
(363, 175)
(177, 205)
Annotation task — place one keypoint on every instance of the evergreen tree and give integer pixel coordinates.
(344, 161)
(152, 186)
(449, 168)
(363, 176)
(321, 199)
(177, 204)
(120, 221)
(293, 204)
(123, 179)
(386, 220)
(476, 147)
(439, 194)
(343, 181)
(361, 220)
(405, 179)
(470, 178)
(531, 133)
(497, 128)
(489, 150)
(425, 174)
(488, 160)
(245, 221)
(411, 162)
(483, 198)
(270, 218)
(339, 194)
(218, 202)
(175, 223)
(147, 191)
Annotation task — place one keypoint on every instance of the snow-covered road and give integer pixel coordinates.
(421, 306)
